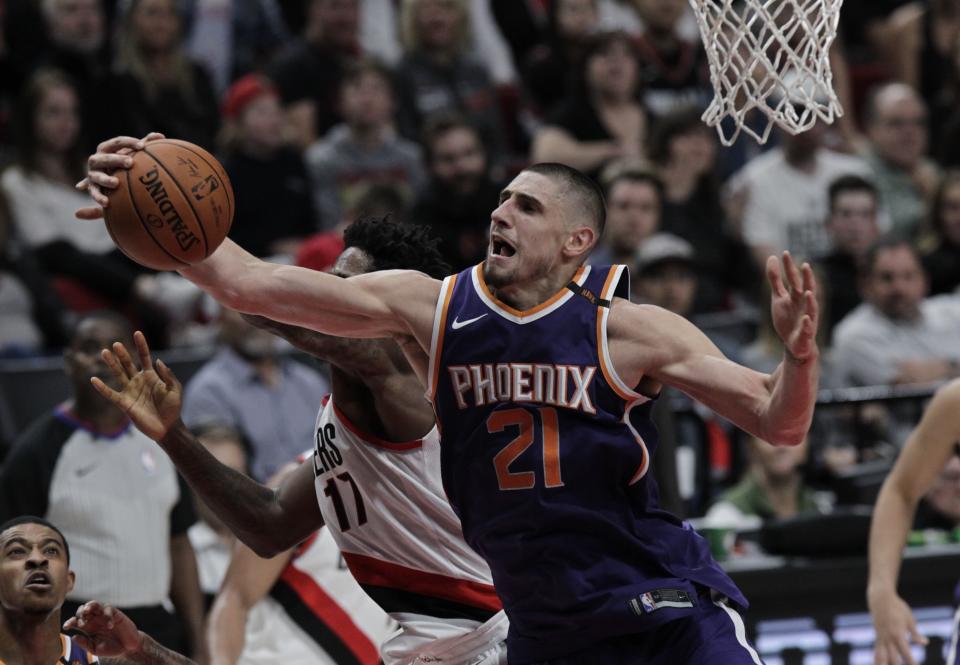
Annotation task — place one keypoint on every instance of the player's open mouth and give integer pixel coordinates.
(500, 247)
(38, 581)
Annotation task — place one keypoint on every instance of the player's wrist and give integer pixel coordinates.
(801, 360)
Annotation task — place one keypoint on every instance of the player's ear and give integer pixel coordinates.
(580, 241)
(71, 580)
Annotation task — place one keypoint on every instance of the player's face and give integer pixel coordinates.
(527, 231)
(58, 119)
(950, 213)
(897, 283)
(34, 575)
(633, 214)
(853, 221)
(82, 358)
(459, 160)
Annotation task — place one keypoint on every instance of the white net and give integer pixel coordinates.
(769, 64)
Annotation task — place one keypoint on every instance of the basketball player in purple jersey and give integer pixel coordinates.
(541, 373)
(926, 453)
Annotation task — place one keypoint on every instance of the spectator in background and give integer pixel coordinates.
(896, 121)
(211, 539)
(943, 260)
(32, 318)
(156, 87)
(40, 190)
(249, 386)
(274, 210)
(456, 200)
(308, 73)
(233, 38)
(684, 151)
(673, 69)
(547, 68)
(76, 30)
(782, 194)
(116, 496)
(897, 335)
(437, 74)
(853, 227)
(772, 488)
(363, 151)
(921, 47)
(601, 117)
(634, 203)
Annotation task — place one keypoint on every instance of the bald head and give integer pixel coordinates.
(580, 190)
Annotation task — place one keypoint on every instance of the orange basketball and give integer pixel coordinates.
(173, 207)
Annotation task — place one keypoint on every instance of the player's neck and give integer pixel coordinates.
(30, 640)
(530, 294)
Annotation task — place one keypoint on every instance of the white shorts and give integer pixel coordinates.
(429, 641)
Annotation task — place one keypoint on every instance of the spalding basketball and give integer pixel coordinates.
(173, 207)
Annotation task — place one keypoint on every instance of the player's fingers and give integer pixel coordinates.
(916, 636)
(153, 136)
(143, 350)
(102, 179)
(809, 279)
(811, 306)
(126, 360)
(114, 364)
(105, 390)
(792, 274)
(773, 276)
(91, 213)
(169, 378)
(102, 161)
(903, 648)
(118, 142)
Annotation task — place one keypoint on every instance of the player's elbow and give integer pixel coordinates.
(787, 437)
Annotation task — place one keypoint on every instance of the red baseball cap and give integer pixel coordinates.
(243, 91)
(320, 252)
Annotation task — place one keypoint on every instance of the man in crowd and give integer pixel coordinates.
(455, 201)
(853, 227)
(116, 496)
(634, 202)
(35, 578)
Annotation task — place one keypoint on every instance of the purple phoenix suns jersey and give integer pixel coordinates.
(544, 456)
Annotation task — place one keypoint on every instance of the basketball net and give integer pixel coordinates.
(771, 56)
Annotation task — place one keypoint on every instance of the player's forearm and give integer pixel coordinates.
(793, 395)
(250, 510)
(218, 273)
(226, 628)
(149, 653)
(888, 534)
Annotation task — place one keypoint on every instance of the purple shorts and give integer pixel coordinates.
(713, 635)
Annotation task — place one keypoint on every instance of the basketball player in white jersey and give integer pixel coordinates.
(302, 606)
(375, 468)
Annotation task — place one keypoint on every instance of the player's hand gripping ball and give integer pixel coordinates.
(173, 207)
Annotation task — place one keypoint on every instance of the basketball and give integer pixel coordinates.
(173, 207)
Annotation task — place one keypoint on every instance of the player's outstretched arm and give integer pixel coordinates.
(926, 453)
(110, 634)
(267, 520)
(651, 344)
(246, 583)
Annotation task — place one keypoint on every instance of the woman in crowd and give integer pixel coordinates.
(684, 151)
(39, 186)
(156, 88)
(943, 259)
(601, 118)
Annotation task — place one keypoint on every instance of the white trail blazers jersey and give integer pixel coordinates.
(315, 614)
(384, 504)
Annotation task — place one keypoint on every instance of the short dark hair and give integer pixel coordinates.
(119, 320)
(354, 70)
(441, 122)
(33, 519)
(676, 123)
(886, 243)
(396, 245)
(586, 190)
(850, 183)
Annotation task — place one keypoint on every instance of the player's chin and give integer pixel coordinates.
(497, 270)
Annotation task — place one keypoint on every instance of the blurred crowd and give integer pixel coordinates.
(324, 111)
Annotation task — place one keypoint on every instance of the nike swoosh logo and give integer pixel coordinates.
(457, 325)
